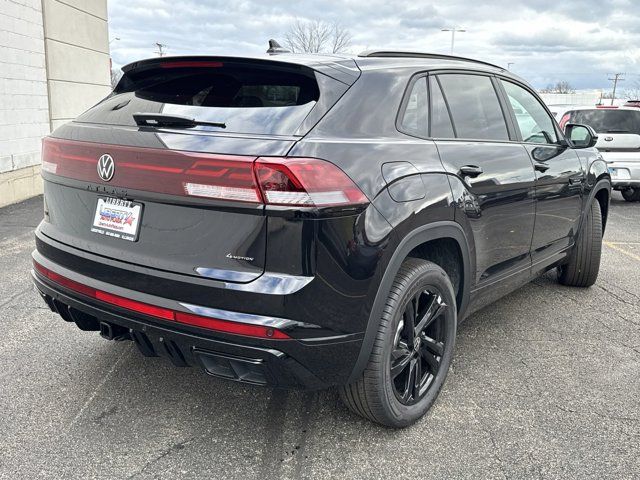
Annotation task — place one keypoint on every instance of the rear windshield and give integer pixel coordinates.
(609, 121)
(246, 98)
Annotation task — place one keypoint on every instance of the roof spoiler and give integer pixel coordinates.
(344, 70)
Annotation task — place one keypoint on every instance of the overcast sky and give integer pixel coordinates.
(581, 41)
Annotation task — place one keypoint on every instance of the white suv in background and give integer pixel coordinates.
(618, 131)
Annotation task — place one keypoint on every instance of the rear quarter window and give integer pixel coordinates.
(414, 120)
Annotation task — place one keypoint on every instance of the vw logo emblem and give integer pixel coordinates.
(106, 167)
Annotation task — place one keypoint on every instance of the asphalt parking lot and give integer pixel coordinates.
(545, 384)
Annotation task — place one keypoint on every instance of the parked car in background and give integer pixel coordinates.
(618, 130)
(632, 103)
(313, 221)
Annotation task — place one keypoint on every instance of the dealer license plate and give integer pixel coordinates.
(117, 218)
(619, 173)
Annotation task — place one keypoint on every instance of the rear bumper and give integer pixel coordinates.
(310, 363)
(624, 173)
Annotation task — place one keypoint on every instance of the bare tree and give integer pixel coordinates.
(560, 87)
(633, 92)
(547, 89)
(317, 36)
(563, 87)
(340, 39)
(115, 77)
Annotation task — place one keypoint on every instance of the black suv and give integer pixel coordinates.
(309, 221)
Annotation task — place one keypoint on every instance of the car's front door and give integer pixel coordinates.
(491, 175)
(559, 175)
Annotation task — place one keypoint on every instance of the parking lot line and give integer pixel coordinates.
(615, 246)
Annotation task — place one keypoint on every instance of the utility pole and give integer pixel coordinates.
(160, 46)
(453, 31)
(616, 78)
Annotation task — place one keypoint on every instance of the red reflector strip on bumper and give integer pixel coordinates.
(208, 323)
(145, 308)
(230, 327)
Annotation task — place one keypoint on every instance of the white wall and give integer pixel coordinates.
(24, 109)
(77, 46)
(591, 97)
(54, 64)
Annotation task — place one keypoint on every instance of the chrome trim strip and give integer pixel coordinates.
(273, 322)
(227, 275)
(272, 284)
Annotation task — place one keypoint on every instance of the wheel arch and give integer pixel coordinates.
(602, 193)
(444, 230)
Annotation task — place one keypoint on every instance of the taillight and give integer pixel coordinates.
(286, 181)
(564, 120)
(210, 323)
(191, 64)
(305, 182)
(173, 172)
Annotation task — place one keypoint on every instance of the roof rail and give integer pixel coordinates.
(438, 56)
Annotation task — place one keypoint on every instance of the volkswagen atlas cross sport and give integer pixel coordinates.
(313, 221)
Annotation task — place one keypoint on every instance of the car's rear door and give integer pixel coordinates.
(559, 173)
(494, 183)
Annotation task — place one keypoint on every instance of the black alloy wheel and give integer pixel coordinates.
(413, 348)
(418, 346)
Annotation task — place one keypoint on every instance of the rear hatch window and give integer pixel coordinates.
(609, 120)
(619, 130)
(230, 96)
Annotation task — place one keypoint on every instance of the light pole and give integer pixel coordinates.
(509, 65)
(114, 39)
(453, 31)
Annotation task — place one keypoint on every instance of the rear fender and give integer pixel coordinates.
(426, 233)
(598, 179)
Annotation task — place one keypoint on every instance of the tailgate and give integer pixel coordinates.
(618, 142)
(177, 192)
(155, 209)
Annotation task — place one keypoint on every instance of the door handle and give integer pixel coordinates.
(575, 180)
(470, 171)
(541, 167)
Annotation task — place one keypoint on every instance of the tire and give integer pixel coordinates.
(385, 396)
(584, 263)
(631, 194)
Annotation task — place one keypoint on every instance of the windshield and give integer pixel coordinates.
(609, 121)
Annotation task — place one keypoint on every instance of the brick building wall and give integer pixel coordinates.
(24, 105)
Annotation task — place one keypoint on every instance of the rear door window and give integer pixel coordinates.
(441, 126)
(474, 106)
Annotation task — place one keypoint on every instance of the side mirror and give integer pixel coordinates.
(581, 136)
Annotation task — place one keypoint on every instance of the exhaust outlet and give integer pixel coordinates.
(114, 332)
